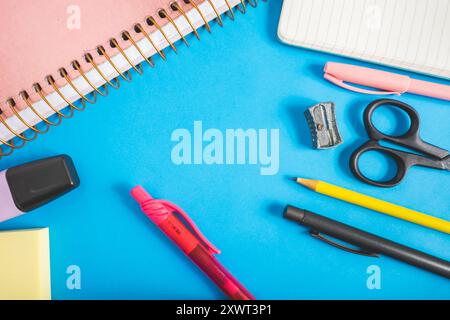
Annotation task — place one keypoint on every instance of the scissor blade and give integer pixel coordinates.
(446, 163)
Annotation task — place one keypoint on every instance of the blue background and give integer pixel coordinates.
(241, 76)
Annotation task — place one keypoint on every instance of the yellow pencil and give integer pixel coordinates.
(376, 204)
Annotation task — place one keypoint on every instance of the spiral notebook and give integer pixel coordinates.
(406, 34)
(60, 55)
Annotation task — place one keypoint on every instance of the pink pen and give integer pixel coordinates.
(341, 74)
(196, 247)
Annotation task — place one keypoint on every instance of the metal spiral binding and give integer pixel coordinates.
(152, 22)
(22, 137)
(77, 66)
(139, 29)
(194, 4)
(89, 59)
(8, 147)
(126, 36)
(43, 95)
(102, 52)
(176, 7)
(30, 105)
(163, 14)
(230, 12)
(26, 98)
(52, 83)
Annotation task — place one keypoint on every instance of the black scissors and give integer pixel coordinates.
(432, 156)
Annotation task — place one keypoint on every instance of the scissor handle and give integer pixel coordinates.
(410, 139)
(402, 160)
(410, 136)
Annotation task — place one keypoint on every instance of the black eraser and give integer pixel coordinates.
(37, 183)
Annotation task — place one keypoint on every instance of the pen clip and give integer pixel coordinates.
(175, 209)
(317, 235)
(344, 85)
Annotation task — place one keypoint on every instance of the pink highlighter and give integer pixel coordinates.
(195, 246)
(392, 83)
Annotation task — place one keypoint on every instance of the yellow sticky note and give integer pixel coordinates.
(25, 265)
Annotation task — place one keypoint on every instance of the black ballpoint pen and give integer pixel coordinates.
(370, 244)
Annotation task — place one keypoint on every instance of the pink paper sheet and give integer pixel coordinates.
(36, 40)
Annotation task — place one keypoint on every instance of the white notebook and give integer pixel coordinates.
(407, 34)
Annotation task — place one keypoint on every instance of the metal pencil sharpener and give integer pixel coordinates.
(322, 124)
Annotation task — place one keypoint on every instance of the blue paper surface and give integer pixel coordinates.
(240, 76)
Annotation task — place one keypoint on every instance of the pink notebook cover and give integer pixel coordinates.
(36, 40)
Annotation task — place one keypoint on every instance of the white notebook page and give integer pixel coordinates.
(407, 34)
